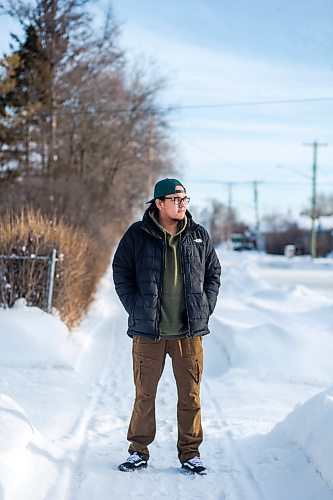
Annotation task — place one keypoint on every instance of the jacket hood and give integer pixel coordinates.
(149, 225)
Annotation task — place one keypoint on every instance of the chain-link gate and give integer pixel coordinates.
(30, 277)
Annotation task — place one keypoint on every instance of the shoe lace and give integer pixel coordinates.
(134, 457)
(196, 461)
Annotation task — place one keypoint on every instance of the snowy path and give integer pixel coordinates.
(256, 371)
(231, 412)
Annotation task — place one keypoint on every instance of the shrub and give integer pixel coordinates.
(78, 271)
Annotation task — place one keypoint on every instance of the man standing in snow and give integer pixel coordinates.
(167, 276)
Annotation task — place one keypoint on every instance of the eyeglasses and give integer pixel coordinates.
(178, 200)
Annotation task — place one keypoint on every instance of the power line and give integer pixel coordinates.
(266, 183)
(153, 109)
(292, 169)
(323, 174)
(255, 184)
(294, 184)
(215, 157)
(251, 103)
(326, 172)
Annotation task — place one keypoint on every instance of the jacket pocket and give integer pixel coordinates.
(206, 301)
(131, 319)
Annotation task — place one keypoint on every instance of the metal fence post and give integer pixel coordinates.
(3, 284)
(50, 279)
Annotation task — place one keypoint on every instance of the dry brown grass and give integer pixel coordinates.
(77, 274)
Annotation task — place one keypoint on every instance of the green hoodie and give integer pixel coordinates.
(173, 322)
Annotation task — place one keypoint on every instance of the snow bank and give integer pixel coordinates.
(16, 432)
(31, 337)
(243, 278)
(268, 345)
(274, 331)
(284, 353)
(37, 359)
(15, 428)
(310, 426)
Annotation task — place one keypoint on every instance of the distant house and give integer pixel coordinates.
(297, 232)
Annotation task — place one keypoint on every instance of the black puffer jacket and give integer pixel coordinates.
(138, 268)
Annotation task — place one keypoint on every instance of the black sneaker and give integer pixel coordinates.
(135, 461)
(194, 466)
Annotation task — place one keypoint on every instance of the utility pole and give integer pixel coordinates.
(229, 184)
(315, 146)
(256, 213)
(256, 207)
(229, 213)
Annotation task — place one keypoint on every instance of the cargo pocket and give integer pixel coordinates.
(193, 366)
(196, 371)
(145, 373)
(143, 369)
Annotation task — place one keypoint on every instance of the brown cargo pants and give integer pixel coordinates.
(148, 363)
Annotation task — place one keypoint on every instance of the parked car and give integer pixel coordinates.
(242, 241)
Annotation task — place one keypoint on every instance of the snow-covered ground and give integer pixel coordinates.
(267, 396)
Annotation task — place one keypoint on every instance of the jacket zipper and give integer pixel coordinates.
(157, 334)
(188, 318)
(160, 287)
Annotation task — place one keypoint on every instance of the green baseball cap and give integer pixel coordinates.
(165, 187)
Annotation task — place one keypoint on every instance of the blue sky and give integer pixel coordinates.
(228, 54)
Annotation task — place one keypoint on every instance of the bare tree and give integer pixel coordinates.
(324, 205)
(86, 135)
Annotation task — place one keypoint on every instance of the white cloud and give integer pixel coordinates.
(245, 142)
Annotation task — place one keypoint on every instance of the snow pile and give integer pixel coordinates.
(287, 352)
(16, 432)
(275, 331)
(241, 279)
(31, 337)
(311, 426)
(15, 428)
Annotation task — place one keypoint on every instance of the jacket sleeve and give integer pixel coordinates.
(212, 275)
(124, 274)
